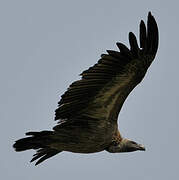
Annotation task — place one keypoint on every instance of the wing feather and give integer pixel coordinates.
(133, 45)
(143, 35)
(104, 87)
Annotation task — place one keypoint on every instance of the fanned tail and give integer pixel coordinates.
(39, 141)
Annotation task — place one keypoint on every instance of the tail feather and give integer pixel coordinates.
(39, 141)
(43, 154)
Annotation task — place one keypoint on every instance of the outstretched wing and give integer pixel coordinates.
(104, 87)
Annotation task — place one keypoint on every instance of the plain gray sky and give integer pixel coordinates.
(46, 44)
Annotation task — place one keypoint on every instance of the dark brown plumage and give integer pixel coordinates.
(88, 110)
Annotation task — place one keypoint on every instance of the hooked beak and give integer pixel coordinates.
(141, 147)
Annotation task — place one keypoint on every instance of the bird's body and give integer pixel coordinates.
(89, 109)
(87, 137)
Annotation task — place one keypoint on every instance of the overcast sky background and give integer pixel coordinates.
(45, 45)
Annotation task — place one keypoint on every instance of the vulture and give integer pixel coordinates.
(87, 112)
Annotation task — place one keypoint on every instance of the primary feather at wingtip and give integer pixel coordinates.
(124, 50)
(133, 44)
(143, 34)
(152, 35)
(149, 14)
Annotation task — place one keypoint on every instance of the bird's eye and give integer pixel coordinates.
(133, 142)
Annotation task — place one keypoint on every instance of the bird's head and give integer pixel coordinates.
(125, 145)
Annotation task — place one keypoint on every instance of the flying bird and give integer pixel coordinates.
(88, 111)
